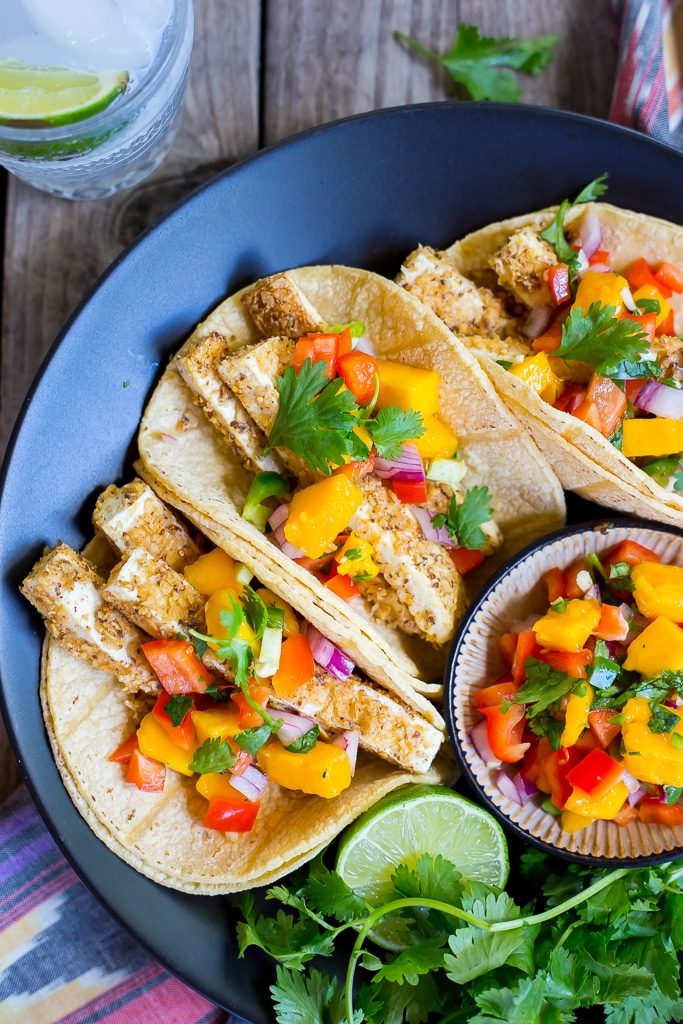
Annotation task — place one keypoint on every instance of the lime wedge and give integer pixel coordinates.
(408, 823)
(41, 97)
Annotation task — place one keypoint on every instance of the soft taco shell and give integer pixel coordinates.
(161, 834)
(199, 472)
(584, 460)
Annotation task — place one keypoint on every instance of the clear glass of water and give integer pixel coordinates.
(123, 143)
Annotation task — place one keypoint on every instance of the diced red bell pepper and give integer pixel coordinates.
(554, 581)
(492, 696)
(342, 586)
(557, 277)
(319, 348)
(505, 731)
(641, 273)
(648, 322)
(633, 388)
(507, 645)
(410, 493)
(670, 276)
(359, 371)
(590, 414)
(176, 666)
(600, 256)
(183, 735)
(625, 815)
(123, 752)
(600, 724)
(667, 325)
(466, 559)
(571, 398)
(632, 552)
(248, 717)
(612, 624)
(609, 400)
(344, 343)
(596, 773)
(557, 767)
(550, 339)
(526, 648)
(572, 664)
(145, 773)
(570, 574)
(355, 470)
(296, 666)
(231, 815)
(652, 811)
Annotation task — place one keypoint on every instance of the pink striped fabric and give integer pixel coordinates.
(648, 92)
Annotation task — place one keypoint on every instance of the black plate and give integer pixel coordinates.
(363, 191)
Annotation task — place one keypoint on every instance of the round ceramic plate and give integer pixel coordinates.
(364, 191)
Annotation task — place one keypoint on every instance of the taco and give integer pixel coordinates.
(326, 429)
(574, 313)
(190, 714)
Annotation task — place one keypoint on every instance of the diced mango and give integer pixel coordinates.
(223, 601)
(568, 630)
(538, 374)
(658, 648)
(572, 822)
(576, 715)
(651, 757)
(636, 709)
(408, 387)
(438, 440)
(216, 786)
(603, 288)
(657, 436)
(154, 741)
(604, 807)
(269, 598)
(319, 512)
(211, 572)
(658, 590)
(648, 291)
(325, 771)
(221, 722)
(355, 558)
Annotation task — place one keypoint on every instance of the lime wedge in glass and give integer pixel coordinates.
(42, 97)
(408, 823)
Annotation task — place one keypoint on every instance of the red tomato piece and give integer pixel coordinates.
(640, 273)
(570, 574)
(507, 645)
(319, 348)
(355, 470)
(249, 717)
(550, 339)
(557, 277)
(609, 400)
(124, 751)
(670, 276)
(612, 625)
(667, 325)
(345, 342)
(632, 552)
(231, 815)
(571, 398)
(595, 773)
(176, 665)
(633, 388)
(526, 648)
(342, 586)
(505, 731)
(625, 815)
(145, 773)
(652, 811)
(574, 665)
(358, 370)
(590, 414)
(410, 493)
(466, 559)
(554, 581)
(600, 256)
(296, 665)
(557, 767)
(648, 321)
(494, 695)
(600, 723)
(183, 735)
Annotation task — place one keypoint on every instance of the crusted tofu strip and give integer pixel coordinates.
(132, 516)
(198, 367)
(521, 265)
(66, 590)
(278, 306)
(152, 595)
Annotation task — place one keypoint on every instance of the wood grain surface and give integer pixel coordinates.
(261, 70)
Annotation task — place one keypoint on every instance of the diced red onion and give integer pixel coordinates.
(627, 611)
(584, 580)
(628, 300)
(480, 740)
(600, 268)
(294, 726)
(290, 550)
(407, 468)
(593, 593)
(660, 400)
(576, 400)
(537, 321)
(169, 438)
(507, 787)
(636, 796)
(363, 344)
(615, 648)
(329, 656)
(429, 531)
(673, 702)
(590, 232)
(279, 516)
(630, 781)
(251, 783)
(525, 787)
(582, 262)
(348, 741)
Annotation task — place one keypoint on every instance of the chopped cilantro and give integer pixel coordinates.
(305, 743)
(177, 708)
(662, 719)
(464, 520)
(391, 427)
(648, 305)
(254, 738)
(255, 611)
(599, 338)
(214, 755)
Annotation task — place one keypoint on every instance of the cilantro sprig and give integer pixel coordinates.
(485, 66)
(554, 233)
(214, 755)
(464, 521)
(614, 347)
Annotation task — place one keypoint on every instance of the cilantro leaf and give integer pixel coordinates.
(219, 694)
(305, 743)
(293, 943)
(593, 190)
(315, 419)
(391, 427)
(433, 878)
(412, 962)
(662, 720)
(542, 687)
(177, 708)
(255, 611)
(214, 755)
(254, 738)
(598, 338)
(200, 645)
(475, 952)
(480, 63)
(554, 233)
(312, 999)
(520, 1004)
(327, 892)
(464, 521)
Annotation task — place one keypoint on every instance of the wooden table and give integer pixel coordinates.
(262, 70)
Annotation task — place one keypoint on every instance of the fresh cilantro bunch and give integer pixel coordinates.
(614, 347)
(464, 521)
(554, 234)
(600, 938)
(485, 66)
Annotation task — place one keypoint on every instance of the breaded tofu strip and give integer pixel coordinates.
(199, 369)
(251, 373)
(521, 265)
(133, 517)
(670, 352)
(66, 590)
(278, 306)
(152, 595)
(465, 308)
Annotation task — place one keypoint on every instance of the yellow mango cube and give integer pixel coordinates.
(216, 786)
(319, 512)
(438, 440)
(603, 288)
(568, 630)
(572, 822)
(355, 558)
(223, 601)
(576, 715)
(658, 648)
(221, 722)
(604, 807)
(657, 436)
(636, 709)
(211, 572)
(155, 742)
(652, 757)
(537, 372)
(648, 291)
(324, 771)
(658, 590)
(408, 387)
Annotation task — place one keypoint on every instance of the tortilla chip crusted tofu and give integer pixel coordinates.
(66, 590)
(279, 307)
(521, 265)
(132, 516)
(153, 596)
(251, 373)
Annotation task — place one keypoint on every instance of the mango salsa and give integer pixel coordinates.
(319, 512)
(658, 648)
(657, 436)
(568, 630)
(222, 601)
(155, 742)
(221, 722)
(601, 807)
(216, 786)
(648, 291)
(211, 572)
(538, 374)
(291, 625)
(603, 288)
(438, 440)
(355, 558)
(325, 771)
(658, 590)
(408, 387)
(576, 715)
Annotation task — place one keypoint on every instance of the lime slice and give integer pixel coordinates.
(408, 823)
(40, 97)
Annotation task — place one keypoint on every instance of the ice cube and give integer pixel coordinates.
(95, 32)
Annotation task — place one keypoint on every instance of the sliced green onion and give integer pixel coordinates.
(447, 471)
(243, 574)
(263, 486)
(269, 657)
